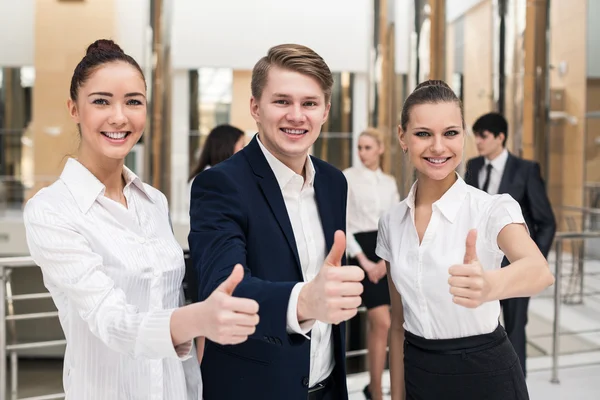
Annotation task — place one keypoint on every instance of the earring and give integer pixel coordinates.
(404, 150)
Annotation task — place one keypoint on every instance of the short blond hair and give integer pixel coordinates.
(293, 57)
(373, 133)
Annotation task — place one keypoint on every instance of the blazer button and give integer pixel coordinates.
(278, 341)
(266, 338)
(305, 381)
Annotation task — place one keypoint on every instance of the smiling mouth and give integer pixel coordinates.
(296, 132)
(437, 160)
(116, 135)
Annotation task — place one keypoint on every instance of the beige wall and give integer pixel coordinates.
(565, 180)
(240, 101)
(63, 30)
(478, 67)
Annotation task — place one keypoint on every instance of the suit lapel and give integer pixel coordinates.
(476, 166)
(507, 175)
(324, 204)
(272, 192)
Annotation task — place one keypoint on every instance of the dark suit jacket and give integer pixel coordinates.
(238, 215)
(523, 181)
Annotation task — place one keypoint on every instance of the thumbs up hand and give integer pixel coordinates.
(333, 295)
(468, 281)
(226, 319)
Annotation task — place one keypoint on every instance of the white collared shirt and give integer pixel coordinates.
(301, 205)
(115, 275)
(370, 194)
(420, 272)
(498, 165)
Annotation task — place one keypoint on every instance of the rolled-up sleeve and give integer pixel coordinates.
(73, 269)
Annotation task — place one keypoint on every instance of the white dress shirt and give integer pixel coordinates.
(301, 205)
(370, 194)
(420, 272)
(115, 275)
(498, 165)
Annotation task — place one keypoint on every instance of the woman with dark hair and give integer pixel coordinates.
(443, 247)
(103, 241)
(222, 142)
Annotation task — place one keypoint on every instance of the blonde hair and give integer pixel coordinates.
(373, 133)
(293, 57)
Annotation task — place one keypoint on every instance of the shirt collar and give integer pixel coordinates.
(450, 202)
(377, 173)
(86, 188)
(282, 172)
(499, 162)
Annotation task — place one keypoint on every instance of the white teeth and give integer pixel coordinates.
(115, 135)
(294, 131)
(437, 160)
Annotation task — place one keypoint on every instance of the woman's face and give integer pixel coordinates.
(110, 111)
(434, 139)
(369, 151)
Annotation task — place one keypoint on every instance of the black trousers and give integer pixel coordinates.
(515, 320)
(482, 367)
(330, 391)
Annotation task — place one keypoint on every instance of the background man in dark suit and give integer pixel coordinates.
(497, 171)
(278, 211)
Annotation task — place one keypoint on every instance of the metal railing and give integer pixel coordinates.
(7, 299)
(559, 238)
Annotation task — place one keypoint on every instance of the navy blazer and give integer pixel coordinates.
(523, 181)
(238, 215)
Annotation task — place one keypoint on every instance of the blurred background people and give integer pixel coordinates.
(370, 194)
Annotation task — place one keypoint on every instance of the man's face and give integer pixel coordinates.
(488, 145)
(289, 115)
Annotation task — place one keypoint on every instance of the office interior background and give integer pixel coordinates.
(535, 61)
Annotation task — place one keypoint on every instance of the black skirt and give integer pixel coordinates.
(482, 367)
(374, 294)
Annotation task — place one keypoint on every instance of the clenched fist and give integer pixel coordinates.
(334, 295)
(468, 283)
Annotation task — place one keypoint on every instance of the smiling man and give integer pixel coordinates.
(281, 214)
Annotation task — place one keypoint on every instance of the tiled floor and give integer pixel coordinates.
(579, 360)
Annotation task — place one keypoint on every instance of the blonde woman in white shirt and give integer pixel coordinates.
(444, 245)
(370, 194)
(103, 241)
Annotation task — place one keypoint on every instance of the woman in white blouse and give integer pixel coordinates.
(103, 241)
(444, 245)
(370, 194)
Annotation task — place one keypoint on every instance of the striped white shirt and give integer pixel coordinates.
(115, 275)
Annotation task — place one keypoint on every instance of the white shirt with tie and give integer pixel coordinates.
(299, 197)
(115, 275)
(498, 165)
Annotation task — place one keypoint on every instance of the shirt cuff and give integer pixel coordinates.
(184, 350)
(293, 326)
(155, 336)
(352, 246)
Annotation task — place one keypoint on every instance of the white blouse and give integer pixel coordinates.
(420, 272)
(370, 194)
(115, 275)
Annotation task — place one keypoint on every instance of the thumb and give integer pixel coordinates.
(471, 247)
(334, 258)
(229, 285)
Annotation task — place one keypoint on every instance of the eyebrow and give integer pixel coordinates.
(287, 96)
(107, 94)
(424, 128)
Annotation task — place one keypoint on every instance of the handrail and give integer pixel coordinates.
(558, 243)
(6, 265)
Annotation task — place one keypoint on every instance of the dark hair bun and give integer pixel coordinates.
(432, 82)
(104, 46)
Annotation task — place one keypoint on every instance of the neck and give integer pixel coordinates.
(496, 154)
(296, 164)
(429, 190)
(372, 167)
(107, 171)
